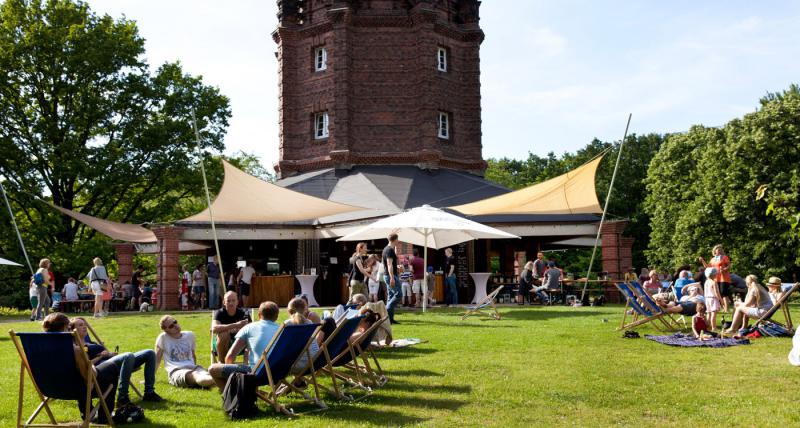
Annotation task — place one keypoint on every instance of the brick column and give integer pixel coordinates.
(616, 249)
(167, 267)
(125, 252)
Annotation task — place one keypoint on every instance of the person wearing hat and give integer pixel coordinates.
(775, 290)
(756, 303)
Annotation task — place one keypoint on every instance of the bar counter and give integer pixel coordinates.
(279, 289)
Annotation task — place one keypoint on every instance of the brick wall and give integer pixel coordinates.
(125, 252)
(381, 88)
(167, 267)
(616, 249)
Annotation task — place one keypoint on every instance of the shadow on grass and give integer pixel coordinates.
(423, 402)
(380, 417)
(418, 372)
(455, 322)
(547, 314)
(398, 385)
(407, 352)
(149, 423)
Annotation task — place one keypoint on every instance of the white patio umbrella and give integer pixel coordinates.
(8, 262)
(428, 227)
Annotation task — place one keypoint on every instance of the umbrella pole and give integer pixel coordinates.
(605, 206)
(16, 228)
(425, 274)
(208, 200)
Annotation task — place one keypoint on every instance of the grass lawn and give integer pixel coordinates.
(543, 366)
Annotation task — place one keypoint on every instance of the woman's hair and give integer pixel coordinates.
(297, 310)
(372, 259)
(653, 273)
(97, 261)
(718, 247)
(753, 280)
(528, 266)
(55, 322)
(358, 247)
(43, 263)
(72, 322)
(370, 318)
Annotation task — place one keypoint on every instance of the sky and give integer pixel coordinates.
(554, 74)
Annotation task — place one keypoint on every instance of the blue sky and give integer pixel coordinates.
(555, 74)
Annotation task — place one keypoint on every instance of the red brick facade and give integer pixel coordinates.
(167, 276)
(125, 252)
(616, 249)
(381, 88)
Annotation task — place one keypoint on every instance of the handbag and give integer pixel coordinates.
(103, 282)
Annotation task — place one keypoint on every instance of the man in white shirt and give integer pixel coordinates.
(177, 349)
(245, 279)
(71, 290)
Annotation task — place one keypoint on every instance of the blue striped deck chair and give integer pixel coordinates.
(487, 302)
(641, 315)
(335, 344)
(652, 306)
(347, 361)
(51, 364)
(285, 349)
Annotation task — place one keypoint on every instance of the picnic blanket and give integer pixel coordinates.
(688, 341)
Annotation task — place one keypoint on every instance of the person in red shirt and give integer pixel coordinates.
(699, 325)
(723, 265)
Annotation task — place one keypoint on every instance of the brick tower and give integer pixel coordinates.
(379, 82)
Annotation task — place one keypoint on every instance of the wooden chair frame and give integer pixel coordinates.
(91, 386)
(100, 342)
(366, 378)
(638, 311)
(486, 302)
(781, 305)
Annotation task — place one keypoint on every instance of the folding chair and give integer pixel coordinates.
(780, 304)
(483, 304)
(284, 350)
(335, 344)
(93, 335)
(651, 304)
(349, 360)
(50, 361)
(213, 342)
(641, 315)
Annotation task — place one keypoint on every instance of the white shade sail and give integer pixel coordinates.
(428, 227)
(8, 262)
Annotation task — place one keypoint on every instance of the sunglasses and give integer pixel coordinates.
(174, 323)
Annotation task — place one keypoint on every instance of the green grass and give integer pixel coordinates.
(542, 366)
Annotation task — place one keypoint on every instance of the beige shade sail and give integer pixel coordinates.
(247, 199)
(571, 193)
(114, 230)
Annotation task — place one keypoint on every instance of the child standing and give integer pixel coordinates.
(405, 284)
(713, 299)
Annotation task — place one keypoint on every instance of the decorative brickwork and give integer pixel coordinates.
(125, 252)
(167, 267)
(380, 87)
(616, 249)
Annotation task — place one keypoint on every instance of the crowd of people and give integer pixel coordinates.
(234, 334)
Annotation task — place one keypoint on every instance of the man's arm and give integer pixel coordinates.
(237, 347)
(360, 267)
(217, 328)
(390, 268)
(159, 355)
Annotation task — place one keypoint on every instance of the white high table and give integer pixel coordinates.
(307, 287)
(480, 278)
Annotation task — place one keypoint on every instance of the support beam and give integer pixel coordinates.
(125, 252)
(167, 266)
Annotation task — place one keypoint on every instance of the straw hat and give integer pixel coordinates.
(774, 281)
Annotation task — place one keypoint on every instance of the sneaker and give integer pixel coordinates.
(152, 397)
(98, 316)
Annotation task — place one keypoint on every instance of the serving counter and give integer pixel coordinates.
(279, 289)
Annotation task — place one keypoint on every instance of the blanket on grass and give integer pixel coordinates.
(684, 340)
(402, 343)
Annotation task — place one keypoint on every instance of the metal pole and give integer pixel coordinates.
(605, 206)
(16, 228)
(425, 274)
(208, 201)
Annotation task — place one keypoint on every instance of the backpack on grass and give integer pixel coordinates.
(239, 396)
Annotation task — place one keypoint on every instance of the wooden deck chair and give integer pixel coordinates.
(641, 315)
(94, 337)
(335, 344)
(781, 305)
(284, 350)
(51, 364)
(348, 365)
(652, 306)
(487, 302)
(213, 341)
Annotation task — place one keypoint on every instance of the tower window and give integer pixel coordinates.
(320, 59)
(444, 125)
(441, 59)
(321, 125)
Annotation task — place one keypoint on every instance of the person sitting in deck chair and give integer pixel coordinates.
(255, 336)
(756, 303)
(177, 349)
(298, 309)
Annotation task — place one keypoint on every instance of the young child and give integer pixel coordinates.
(699, 325)
(712, 297)
(405, 284)
(373, 281)
(185, 278)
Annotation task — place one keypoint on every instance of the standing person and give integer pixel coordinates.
(389, 260)
(525, 282)
(98, 280)
(712, 296)
(723, 265)
(198, 287)
(177, 349)
(245, 278)
(232, 279)
(213, 283)
(227, 322)
(358, 282)
(108, 294)
(451, 291)
(418, 275)
(136, 287)
(374, 266)
(33, 295)
(42, 280)
(186, 280)
(539, 266)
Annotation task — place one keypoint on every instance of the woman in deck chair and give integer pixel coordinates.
(298, 308)
(106, 373)
(756, 303)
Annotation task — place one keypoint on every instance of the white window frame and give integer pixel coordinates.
(321, 125)
(443, 125)
(441, 59)
(320, 59)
